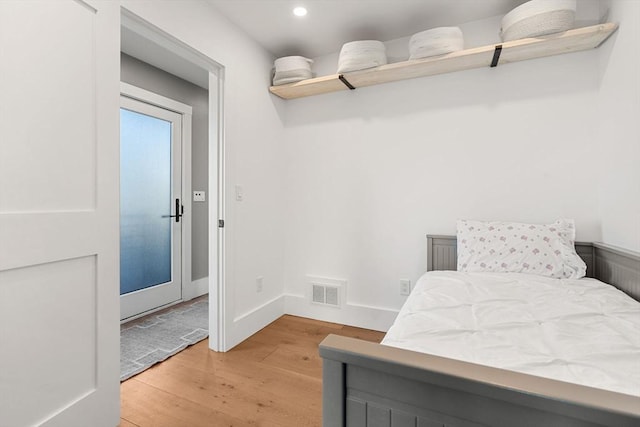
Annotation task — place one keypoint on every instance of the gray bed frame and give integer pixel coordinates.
(372, 385)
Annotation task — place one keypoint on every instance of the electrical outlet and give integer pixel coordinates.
(405, 287)
(199, 196)
(259, 281)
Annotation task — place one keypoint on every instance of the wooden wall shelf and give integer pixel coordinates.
(513, 51)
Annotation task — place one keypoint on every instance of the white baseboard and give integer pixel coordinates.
(198, 288)
(249, 323)
(376, 318)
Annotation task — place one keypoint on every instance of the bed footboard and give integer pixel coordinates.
(371, 385)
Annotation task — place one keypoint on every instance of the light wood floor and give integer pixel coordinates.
(271, 379)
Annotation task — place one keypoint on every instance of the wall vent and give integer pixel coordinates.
(326, 291)
(331, 295)
(324, 294)
(318, 294)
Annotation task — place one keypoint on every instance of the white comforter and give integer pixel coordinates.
(581, 331)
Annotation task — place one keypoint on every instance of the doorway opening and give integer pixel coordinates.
(144, 42)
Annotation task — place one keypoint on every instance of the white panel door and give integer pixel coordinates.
(59, 206)
(150, 207)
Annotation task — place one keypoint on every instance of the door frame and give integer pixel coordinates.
(186, 112)
(217, 247)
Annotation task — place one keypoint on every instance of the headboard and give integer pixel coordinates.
(616, 266)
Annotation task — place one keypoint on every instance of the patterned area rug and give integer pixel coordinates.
(152, 339)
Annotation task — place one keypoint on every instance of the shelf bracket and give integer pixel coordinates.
(346, 82)
(496, 56)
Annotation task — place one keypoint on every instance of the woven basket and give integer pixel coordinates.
(360, 55)
(290, 69)
(537, 18)
(436, 41)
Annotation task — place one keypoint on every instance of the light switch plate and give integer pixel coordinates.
(199, 196)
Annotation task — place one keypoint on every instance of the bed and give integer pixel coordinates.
(373, 385)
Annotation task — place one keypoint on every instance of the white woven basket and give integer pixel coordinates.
(290, 69)
(287, 63)
(436, 41)
(537, 18)
(360, 55)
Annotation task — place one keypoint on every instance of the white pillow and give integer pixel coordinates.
(511, 247)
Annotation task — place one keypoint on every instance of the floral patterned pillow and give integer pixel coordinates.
(511, 247)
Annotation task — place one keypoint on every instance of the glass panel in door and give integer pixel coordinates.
(145, 186)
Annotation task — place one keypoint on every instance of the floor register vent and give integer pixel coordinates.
(325, 295)
(326, 291)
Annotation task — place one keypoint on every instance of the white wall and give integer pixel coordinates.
(370, 172)
(254, 157)
(619, 129)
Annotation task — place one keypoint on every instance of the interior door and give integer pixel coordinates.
(150, 207)
(59, 307)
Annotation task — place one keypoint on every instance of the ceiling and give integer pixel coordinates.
(331, 23)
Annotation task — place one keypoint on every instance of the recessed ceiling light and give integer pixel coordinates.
(300, 11)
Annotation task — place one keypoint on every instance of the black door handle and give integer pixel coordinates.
(179, 212)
